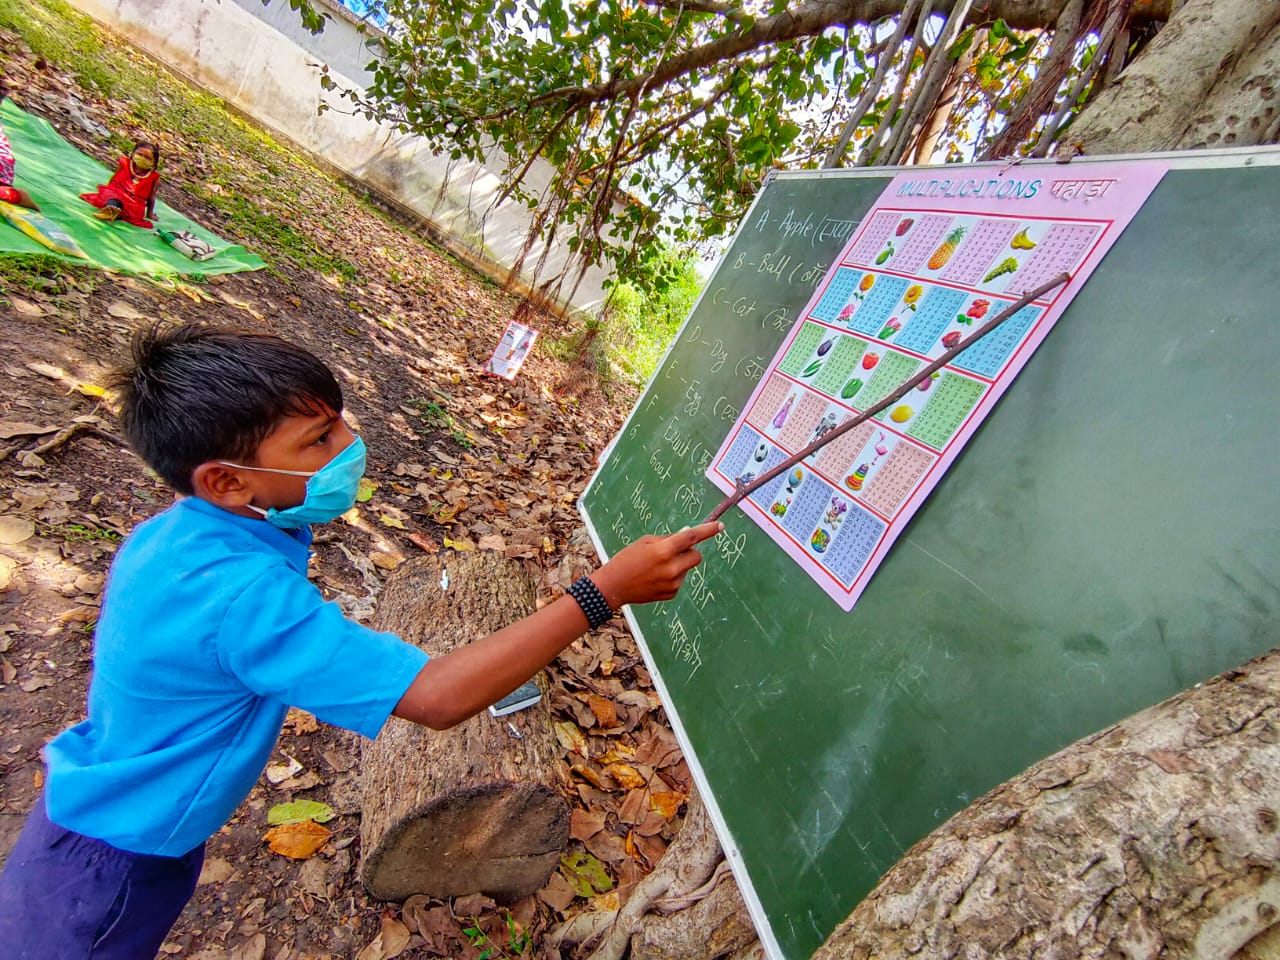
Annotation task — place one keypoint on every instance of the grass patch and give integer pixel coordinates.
(32, 271)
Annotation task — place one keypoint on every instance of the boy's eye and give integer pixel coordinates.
(323, 438)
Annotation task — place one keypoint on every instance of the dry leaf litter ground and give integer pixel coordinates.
(461, 462)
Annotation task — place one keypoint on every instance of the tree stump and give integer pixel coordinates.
(477, 808)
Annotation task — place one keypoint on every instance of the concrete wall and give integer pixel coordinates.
(273, 76)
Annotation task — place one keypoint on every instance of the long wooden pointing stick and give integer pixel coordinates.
(744, 489)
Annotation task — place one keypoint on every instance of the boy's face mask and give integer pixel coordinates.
(331, 490)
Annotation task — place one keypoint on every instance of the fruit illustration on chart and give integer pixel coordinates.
(1007, 265)
(946, 249)
(901, 414)
(903, 226)
(977, 310)
(869, 360)
(1021, 241)
(885, 254)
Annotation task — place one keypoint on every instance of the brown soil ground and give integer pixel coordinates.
(460, 459)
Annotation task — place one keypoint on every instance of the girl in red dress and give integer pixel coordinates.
(8, 192)
(130, 194)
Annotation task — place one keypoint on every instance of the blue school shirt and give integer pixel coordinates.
(209, 630)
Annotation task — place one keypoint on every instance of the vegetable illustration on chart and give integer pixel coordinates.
(885, 254)
(850, 388)
(1007, 265)
(903, 226)
(945, 249)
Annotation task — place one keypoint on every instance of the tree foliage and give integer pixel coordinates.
(662, 118)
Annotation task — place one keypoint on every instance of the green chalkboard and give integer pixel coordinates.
(1109, 537)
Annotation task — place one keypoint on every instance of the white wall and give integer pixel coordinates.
(234, 51)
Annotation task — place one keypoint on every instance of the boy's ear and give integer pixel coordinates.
(220, 484)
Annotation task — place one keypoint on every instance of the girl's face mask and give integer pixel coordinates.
(331, 490)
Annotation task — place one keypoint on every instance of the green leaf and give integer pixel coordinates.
(300, 811)
(962, 44)
(364, 493)
(585, 874)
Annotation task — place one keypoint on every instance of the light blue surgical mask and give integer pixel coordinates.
(331, 490)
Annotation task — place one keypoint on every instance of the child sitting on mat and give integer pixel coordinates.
(130, 194)
(8, 165)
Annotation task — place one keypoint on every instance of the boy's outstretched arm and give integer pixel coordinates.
(460, 684)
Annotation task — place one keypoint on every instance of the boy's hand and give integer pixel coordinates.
(652, 568)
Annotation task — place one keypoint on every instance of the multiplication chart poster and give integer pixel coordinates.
(938, 255)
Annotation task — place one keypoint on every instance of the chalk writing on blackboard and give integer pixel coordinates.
(928, 263)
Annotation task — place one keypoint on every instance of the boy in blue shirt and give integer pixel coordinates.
(210, 630)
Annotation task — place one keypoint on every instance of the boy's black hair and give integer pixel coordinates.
(195, 393)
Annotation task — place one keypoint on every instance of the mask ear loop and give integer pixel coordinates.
(291, 473)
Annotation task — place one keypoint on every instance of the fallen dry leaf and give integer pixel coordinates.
(627, 776)
(26, 307)
(606, 713)
(390, 941)
(215, 870)
(298, 841)
(10, 429)
(14, 529)
(123, 310)
(666, 803)
(299, 722)
(571, 738)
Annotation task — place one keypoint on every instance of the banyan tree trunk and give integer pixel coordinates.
(478, 808)
(1158, 837)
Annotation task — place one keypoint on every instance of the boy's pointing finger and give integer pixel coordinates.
(691, 536)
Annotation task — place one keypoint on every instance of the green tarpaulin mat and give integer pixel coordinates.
(55, 174)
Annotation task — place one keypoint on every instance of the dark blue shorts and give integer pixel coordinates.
(67, 896)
